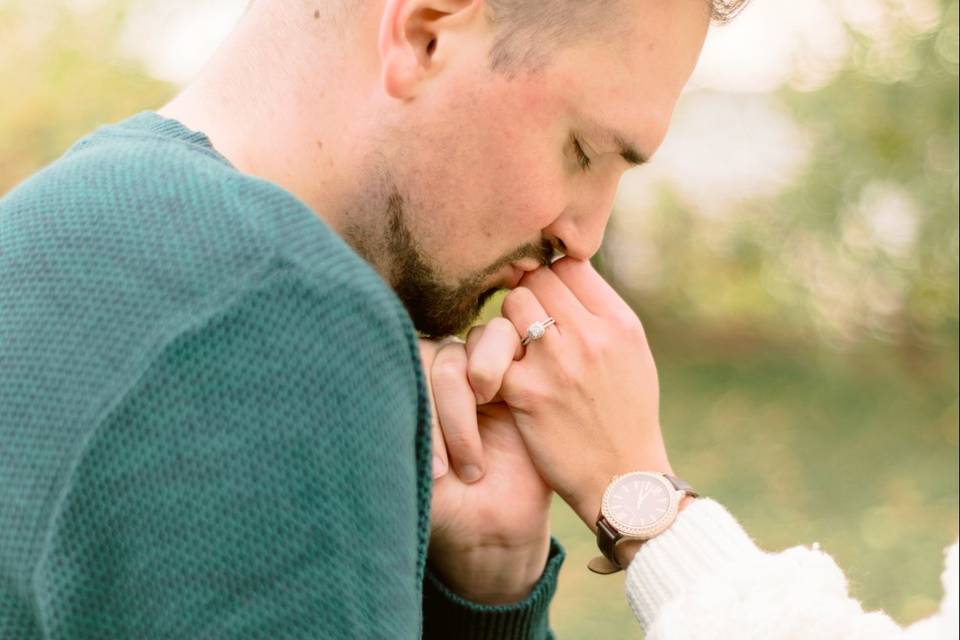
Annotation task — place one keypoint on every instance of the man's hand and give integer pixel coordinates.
(461, 380)
(490, 536)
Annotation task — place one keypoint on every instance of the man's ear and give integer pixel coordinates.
(413, 33)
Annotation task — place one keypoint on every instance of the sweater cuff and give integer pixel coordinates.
(447, 615)
(704, 539)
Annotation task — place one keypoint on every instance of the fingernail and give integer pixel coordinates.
(439, 467)
(470, 473)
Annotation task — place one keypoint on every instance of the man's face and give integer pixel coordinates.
(482, 174)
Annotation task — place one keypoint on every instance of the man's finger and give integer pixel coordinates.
(457, 411)
(491, 349)
(440, 464)
(440, 460)
(473, 337)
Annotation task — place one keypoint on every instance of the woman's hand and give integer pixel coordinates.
(585, 396)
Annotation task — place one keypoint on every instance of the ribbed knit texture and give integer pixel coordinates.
(526, 620)
(213, 422)
(705, 578)
(704, 537)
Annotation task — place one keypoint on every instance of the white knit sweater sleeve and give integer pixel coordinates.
(705, 578)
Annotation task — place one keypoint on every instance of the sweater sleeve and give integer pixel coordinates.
(256, 479)
(447, 615)
(704, 577)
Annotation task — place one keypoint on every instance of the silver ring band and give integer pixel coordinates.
(536, 330)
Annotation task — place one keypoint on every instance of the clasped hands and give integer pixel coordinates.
(511, 424)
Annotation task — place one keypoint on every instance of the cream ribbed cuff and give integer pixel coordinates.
(704, 539)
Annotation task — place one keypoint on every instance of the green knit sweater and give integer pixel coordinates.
(213, 421)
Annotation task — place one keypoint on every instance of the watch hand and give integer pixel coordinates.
(642, 495)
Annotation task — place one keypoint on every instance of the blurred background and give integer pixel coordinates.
(792, 251)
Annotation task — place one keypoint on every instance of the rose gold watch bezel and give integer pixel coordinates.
(657, 526)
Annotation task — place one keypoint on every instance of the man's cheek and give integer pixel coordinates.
(533, 193)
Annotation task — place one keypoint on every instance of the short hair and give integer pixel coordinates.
(528, 32)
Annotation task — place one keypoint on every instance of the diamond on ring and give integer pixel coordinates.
(536, 330)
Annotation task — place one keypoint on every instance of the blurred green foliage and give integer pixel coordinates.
(62, 74)
(807, 345)
(862, 246)
(879, 201)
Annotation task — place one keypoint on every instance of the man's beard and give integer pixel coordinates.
(437, 308)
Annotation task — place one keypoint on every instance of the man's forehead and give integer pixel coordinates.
(625, 88)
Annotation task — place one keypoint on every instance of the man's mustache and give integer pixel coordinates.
(545, 253)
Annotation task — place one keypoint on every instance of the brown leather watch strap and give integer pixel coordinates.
(607, 538)
(681, 485)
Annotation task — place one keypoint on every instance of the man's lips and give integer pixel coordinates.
(518, 271)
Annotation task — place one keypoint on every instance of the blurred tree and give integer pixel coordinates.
(62, 75)
(861, 248)
(876, 209)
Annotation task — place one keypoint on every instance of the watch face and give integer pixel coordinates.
(638, 503)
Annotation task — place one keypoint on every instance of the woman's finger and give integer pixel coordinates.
(595, 293)
(522, 309)
(556, 297)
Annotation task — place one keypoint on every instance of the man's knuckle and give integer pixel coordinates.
(460, 440)
(481, 375)
(475, 334)
(446, 369)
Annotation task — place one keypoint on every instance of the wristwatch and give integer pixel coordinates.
(636, 506)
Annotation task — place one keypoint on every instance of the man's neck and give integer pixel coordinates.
(272, 119)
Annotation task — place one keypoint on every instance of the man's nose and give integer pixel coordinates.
(581, 226)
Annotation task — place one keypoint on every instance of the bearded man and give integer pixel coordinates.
(214, 417)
